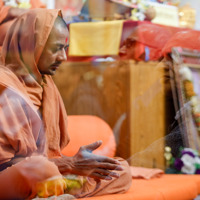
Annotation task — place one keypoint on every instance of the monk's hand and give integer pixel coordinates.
(86, 163)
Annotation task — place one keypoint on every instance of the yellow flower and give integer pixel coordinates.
(51, 187)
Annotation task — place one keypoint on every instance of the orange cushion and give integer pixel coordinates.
(86, 129)
(196, 178)
(167, 187)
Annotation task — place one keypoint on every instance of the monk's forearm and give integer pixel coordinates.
(85, 163)
(64, 164)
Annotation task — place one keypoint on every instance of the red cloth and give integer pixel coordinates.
(145, 42)
(186, 38)
(153, 36)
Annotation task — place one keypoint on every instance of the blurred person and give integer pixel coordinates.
(11, 9)
(34, 121)
(145, 43)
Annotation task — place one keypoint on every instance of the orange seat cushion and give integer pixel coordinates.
(167, 187)
(86, 129)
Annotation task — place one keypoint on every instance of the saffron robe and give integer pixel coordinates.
(25, 92)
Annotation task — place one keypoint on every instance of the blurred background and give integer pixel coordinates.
(187, 11)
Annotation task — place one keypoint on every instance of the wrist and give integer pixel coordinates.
(64, 164)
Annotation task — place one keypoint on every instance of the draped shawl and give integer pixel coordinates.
(23, 129)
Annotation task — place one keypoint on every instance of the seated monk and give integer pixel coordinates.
(10, 10)
(145, 43)
(33, 120)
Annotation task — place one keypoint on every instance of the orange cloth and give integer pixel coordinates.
(167, 187)
(86, 129)
(4, 9)
(23, 91)
(19, 181)
(146, 173)
(22, 130)
(4, 12)
(104, 187)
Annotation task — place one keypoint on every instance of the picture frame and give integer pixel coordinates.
(185, 84)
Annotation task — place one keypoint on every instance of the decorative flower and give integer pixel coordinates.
(188, 162)
(190, 95)
(189, 89)
(178, 164)
(194, 101)
(190, 151)
(185, 73)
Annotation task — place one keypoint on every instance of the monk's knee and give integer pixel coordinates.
(40, 167)
(19, 181)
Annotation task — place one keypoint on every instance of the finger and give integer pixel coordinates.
(109, 166)
(107, 173)
(93, 146)
(95, 164)
(100, 158)
(100, 176)
(106, 159)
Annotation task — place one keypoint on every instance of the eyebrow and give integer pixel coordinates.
(62, 46)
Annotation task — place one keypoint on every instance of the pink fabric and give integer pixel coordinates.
(145, 173)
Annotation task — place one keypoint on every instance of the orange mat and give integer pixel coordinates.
(167, 187)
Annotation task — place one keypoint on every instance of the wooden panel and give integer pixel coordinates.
(100, 89)
(134, 108)
(148, 125)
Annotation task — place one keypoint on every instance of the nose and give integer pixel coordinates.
(122, 51)
(62, 56)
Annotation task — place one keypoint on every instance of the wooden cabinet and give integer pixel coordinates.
(129, 96)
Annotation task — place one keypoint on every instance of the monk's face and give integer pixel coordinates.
(127, 49)
(54, 52)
